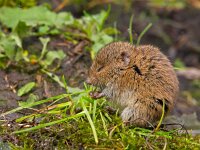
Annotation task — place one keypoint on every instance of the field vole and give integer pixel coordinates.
(137, 79)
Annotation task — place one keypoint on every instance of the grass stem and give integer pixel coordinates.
(130, 30)
(162, 117)
(90, 121)
(143, 32)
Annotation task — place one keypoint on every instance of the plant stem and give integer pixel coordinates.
(143, 32)
(90, 121)
(162, 116)
(130, 30)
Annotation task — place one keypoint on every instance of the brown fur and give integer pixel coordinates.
(138, 79)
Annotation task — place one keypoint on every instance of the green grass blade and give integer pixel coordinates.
(143, 32)
(162, 116)
(90, 121)
(130, 30)
(44, 42)
(35, 104)
(50, 123)
(104, 123)
(94, 111)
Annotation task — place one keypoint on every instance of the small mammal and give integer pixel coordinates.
(138, 79)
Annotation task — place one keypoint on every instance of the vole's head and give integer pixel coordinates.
(109, 62)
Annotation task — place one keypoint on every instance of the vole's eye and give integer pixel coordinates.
(99, 69)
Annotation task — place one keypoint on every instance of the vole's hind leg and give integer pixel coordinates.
(127, 114)
(138, 116)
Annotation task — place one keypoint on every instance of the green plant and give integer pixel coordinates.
(93, 27)
(26, 88)
(24, 22)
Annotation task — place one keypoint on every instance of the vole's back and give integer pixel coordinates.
(154, 76)
(140, 79)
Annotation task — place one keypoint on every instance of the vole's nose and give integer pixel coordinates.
(88, 81)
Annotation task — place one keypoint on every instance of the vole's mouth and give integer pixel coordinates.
(97, 93)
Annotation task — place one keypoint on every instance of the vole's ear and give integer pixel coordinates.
(125, 58)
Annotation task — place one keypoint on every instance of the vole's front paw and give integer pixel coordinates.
(111, 110)
(96, 95)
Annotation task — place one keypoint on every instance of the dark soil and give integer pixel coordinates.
(74, 68)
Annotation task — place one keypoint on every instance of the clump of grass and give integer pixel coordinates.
(74, 120)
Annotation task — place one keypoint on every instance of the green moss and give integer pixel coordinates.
(77, 134)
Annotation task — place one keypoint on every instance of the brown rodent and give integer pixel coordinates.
(138, 79)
